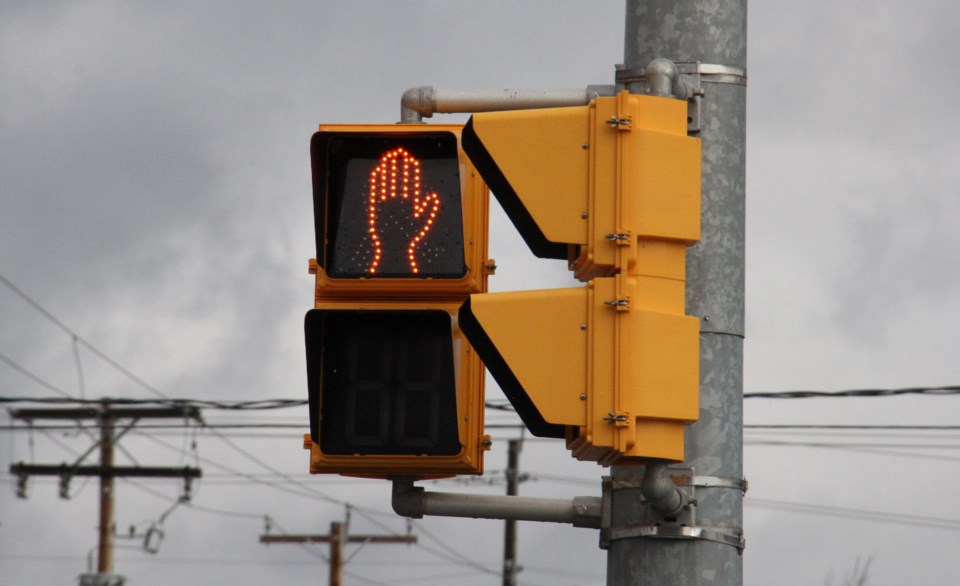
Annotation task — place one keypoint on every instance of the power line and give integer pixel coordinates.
(282, 475)
(291, 486)
(276, 485)
(239, 405)
(856, 393)
(885, 450)
(191, 505)
(859, 514)
(35, 378)
(161, 561)
(899, 433)
(564, 572)
(266, 404)
(366, 580)
(845, 427)
(29, 300)
(760, 428)
(78, 339)
(452, 554)
(435, 578)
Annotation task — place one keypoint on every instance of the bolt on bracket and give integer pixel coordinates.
(620, 123)
(620, 304)
(618, 419)
(619, 238)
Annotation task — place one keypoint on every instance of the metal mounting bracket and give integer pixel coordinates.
(696, 75)
(716, 534)
(681, 525)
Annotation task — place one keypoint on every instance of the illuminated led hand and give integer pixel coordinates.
(397, 178)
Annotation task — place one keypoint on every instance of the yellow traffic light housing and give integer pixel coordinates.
(401, 226)
(614, 187)
(397, 206)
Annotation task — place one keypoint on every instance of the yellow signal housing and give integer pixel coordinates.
(394, 386)
(463, 425)
(614, 187)
(474, 213)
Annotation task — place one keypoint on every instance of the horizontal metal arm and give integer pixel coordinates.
(413, 501)
(425, 101)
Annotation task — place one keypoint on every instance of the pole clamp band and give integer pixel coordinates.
(701, 73)
(740, 484)
(684, 477)
(722, 535)
(682, 524)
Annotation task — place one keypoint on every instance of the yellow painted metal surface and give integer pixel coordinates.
(644, 181)
(545, 158)
(636, 357)
(540, 335)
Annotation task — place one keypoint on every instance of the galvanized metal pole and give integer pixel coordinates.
(708, 37)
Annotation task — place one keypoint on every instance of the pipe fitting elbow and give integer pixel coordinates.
(659, 490)
(416, 104)
(663, 79)
(407, 499)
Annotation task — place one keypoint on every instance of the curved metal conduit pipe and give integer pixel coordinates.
(660, 491)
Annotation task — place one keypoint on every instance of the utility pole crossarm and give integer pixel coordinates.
(337, 538)
(106, 416)
(328, 539)
(76, 413)
(21, 469)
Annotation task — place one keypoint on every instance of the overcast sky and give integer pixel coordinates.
(155, 198)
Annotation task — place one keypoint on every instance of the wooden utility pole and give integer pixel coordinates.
(337, 538)
(510, 529)
(107, 417)
(107, 523)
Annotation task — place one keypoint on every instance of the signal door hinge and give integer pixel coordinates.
(619, 238)
(622, 304)
(625, 123)
(623, 119)
(618, 419)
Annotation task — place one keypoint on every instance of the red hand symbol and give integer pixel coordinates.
(398, 176)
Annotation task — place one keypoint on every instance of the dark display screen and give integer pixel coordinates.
(386, 382)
